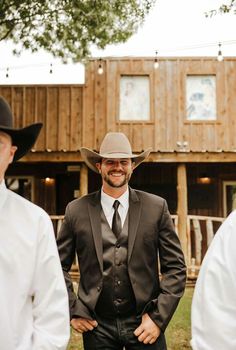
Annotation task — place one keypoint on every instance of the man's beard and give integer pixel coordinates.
(118, 185)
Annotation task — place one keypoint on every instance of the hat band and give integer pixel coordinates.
(116, 155)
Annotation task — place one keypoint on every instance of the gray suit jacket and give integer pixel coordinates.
(153, 246)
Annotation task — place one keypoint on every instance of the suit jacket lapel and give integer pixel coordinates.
(134, 218)
(94, 208)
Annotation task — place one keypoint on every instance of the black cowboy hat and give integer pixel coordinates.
(23, 138)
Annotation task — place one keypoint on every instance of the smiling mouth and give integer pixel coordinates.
(116, 174)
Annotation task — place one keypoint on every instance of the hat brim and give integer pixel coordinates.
(23, 138)
(91, 158)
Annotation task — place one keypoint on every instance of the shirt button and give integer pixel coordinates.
(118, 283)
(117, 245)
(98, 288)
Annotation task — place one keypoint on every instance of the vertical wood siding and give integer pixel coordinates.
(80, 115)
(168, 123)
(58, 107)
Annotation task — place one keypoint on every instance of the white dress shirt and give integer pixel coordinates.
(107, 206)
(214, 300)
(33, 297)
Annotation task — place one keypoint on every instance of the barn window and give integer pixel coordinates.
(134, 98)
(22, 185)
(229, 197)
(201, 97)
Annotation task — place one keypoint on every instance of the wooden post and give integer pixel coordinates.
(198, 241)
(182, 208)
(83, 180)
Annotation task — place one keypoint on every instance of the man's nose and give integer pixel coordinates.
(117, 164)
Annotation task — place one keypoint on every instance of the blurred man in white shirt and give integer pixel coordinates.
(214, 300)
(34, 302)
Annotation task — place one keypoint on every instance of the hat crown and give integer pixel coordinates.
(6, 119)
(115, 142)
(23, 138)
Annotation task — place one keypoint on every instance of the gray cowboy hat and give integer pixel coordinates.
(114, 145)
(23, 138)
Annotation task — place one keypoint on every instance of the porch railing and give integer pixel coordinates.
(57, 221)
(200, 232)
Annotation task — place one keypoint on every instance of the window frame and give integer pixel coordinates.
(151, 112)
(30, 178)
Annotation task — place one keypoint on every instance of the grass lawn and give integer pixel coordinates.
(177, 333)
(179, 328)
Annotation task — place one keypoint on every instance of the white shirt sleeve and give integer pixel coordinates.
(50, 298)
(213, 315)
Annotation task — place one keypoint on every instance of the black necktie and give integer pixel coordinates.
(116, 221)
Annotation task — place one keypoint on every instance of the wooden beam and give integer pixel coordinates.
(52, 157)
(160, 157)
(192, 157)
(83, 180)
(182, 208)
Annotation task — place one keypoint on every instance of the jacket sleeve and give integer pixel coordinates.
(50, 301)
(173, 272)
(66, 247)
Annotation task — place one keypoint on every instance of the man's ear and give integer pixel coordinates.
(98, 166)
(12, 153)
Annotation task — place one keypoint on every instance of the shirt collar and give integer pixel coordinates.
(108, 200)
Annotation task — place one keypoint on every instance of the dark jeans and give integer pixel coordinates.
(118, 334)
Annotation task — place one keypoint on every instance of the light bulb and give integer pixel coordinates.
(220, 56)
(100, 69)
(156, 63)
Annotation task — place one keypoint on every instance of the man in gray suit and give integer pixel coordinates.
(122, 238)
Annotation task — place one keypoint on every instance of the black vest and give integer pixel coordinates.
(117, 296)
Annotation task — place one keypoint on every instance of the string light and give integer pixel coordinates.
(220, 56)
(7, 69)
(156, 63)
(199, 46)
(100, 68)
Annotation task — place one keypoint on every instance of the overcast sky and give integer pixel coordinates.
(173, 28)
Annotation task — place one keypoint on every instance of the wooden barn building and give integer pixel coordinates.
(185, 110)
